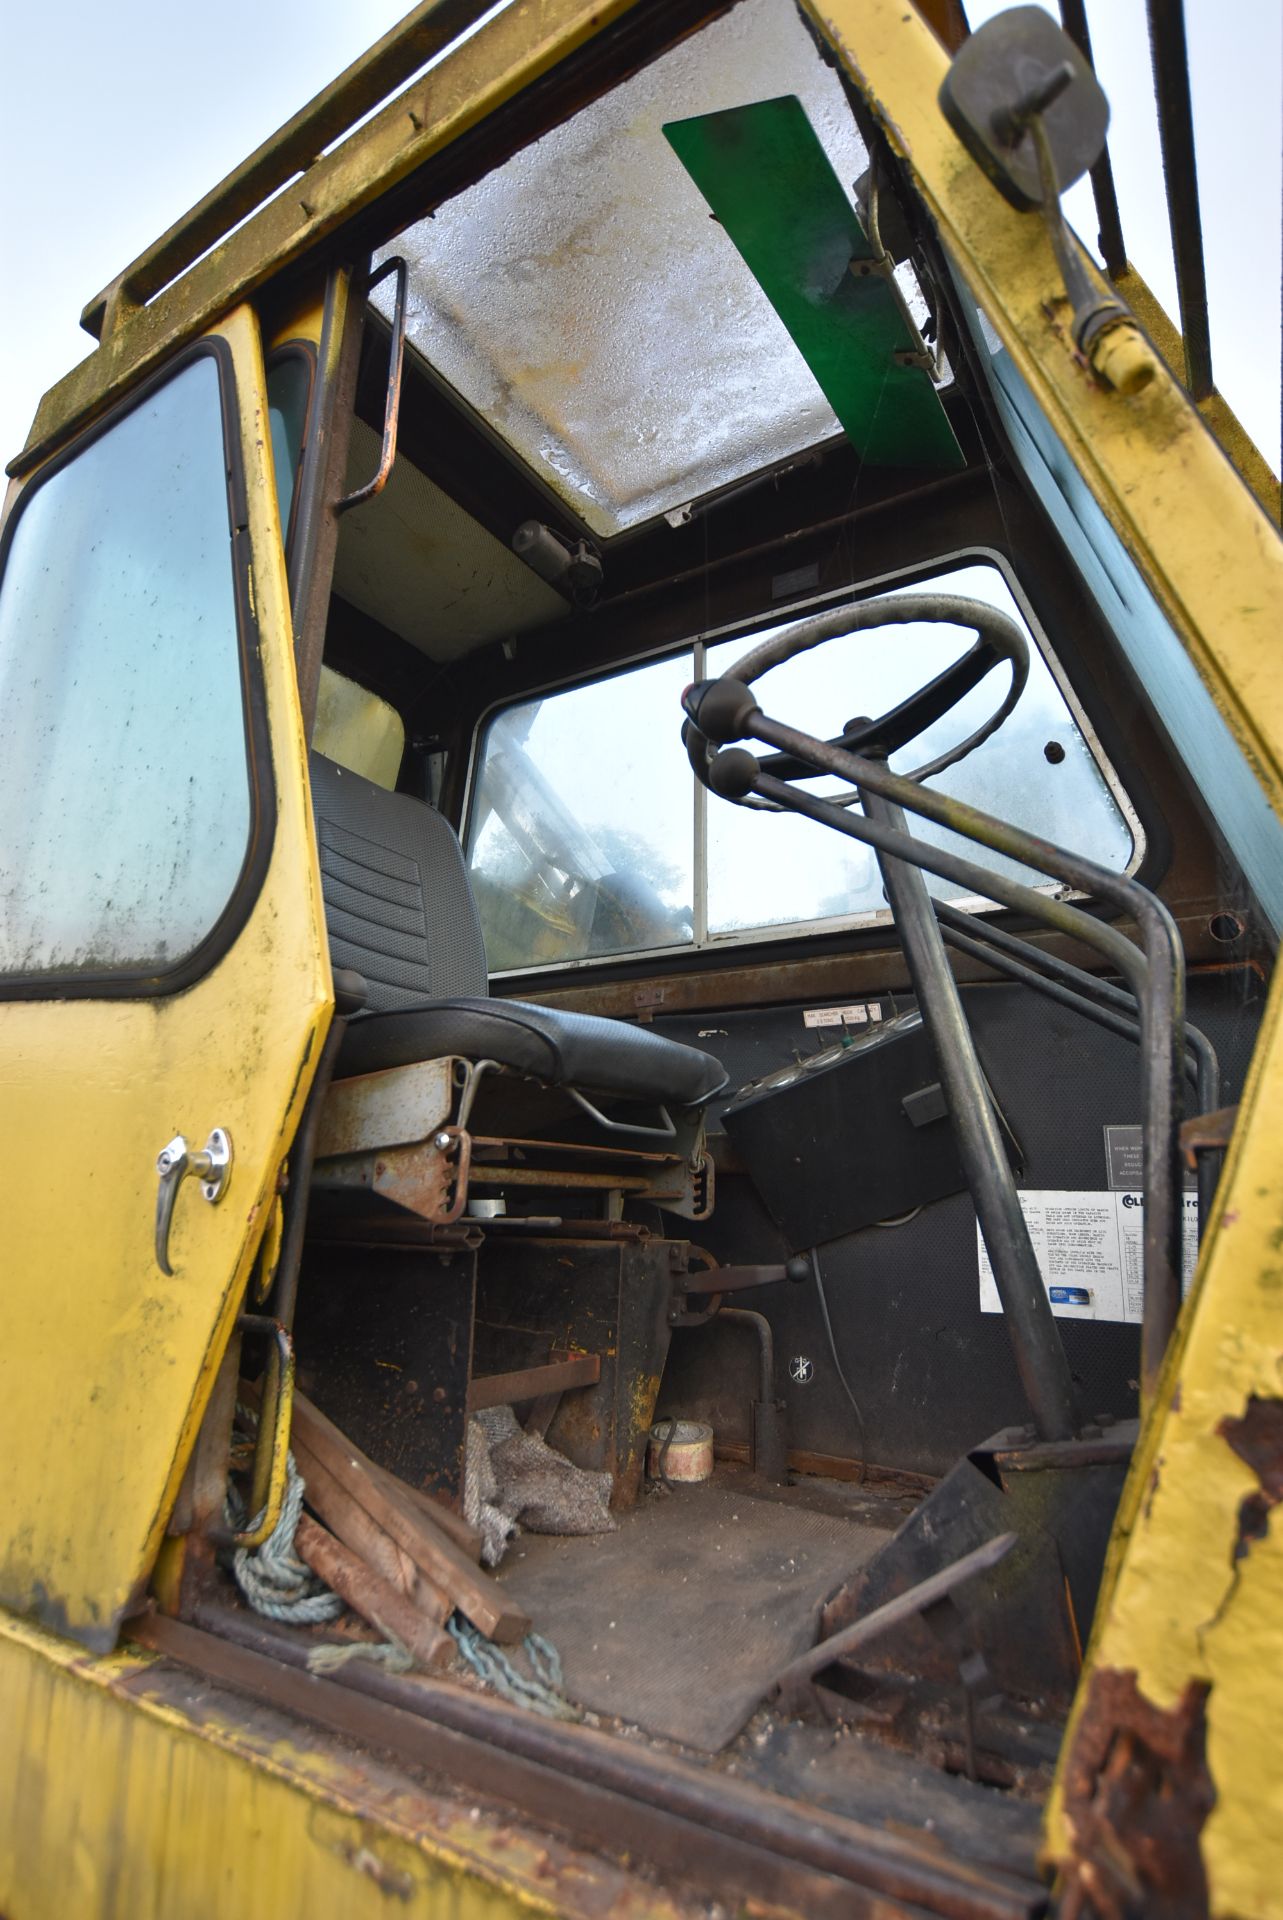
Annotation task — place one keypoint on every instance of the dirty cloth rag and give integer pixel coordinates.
(512, 1477)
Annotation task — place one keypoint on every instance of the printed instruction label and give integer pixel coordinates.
(859, 1015)
(1089, 1252)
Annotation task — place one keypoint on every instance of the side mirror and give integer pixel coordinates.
(1019, 67)
(1032, 114)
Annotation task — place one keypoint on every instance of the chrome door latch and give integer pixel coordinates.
(210, 1164)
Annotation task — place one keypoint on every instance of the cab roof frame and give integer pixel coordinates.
(484, 98)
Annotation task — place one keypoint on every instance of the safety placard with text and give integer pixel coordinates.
(1089, 1252)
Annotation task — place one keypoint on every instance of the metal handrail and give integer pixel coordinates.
(1095, 999)
(1155, 974)
(428, 30)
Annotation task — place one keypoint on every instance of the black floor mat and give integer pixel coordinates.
(680, 1620)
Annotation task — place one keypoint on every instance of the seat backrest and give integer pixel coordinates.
(398, 902)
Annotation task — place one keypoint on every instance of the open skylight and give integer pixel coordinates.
(583, 302)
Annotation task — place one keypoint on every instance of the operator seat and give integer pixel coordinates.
(400, 912)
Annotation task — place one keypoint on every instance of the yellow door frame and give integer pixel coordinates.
(107, 1361)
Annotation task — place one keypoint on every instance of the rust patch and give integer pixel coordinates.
(1137, 1796)
(1257, 1439)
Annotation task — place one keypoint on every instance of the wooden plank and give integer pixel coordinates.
(436, 1511)
(532, 1383)
(349, 1521)
(481, 1599)
(368, 1594)
(313, 1420)
(411, 1496)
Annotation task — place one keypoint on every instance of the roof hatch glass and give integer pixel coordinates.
(583, 301)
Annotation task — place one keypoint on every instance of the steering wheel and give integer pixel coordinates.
(719, 710)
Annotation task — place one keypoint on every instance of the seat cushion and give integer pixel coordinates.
(563, 1049)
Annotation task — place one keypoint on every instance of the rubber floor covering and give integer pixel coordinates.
(680, 1620)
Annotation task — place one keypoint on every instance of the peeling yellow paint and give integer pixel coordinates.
(1180, 1600)
(123, 1804)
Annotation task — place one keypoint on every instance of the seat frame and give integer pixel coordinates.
(403, 1135)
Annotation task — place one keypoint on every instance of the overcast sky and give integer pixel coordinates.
(115, 120)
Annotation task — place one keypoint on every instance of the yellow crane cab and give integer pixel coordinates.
(641, 819)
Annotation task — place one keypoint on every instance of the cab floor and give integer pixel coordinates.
(680, 1619)
(672, 1628)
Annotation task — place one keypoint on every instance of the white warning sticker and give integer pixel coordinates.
(860, 1015)
(1089, 1252)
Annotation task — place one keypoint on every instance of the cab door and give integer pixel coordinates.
(163, 970)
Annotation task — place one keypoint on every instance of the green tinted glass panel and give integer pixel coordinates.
(769, 183)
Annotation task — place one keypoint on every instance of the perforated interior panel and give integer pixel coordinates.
(933, 1375)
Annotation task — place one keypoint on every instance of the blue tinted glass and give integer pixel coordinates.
(124, 793)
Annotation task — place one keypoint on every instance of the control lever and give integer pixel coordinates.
(210, 1164)
(732, 1279)
(710, 1283)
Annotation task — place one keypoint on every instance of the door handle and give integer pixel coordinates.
(210, 1164)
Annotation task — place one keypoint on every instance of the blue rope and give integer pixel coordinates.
(272, 1577)
(277, 1584)
(541, 1691)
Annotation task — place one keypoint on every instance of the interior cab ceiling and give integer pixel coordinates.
(413, 560)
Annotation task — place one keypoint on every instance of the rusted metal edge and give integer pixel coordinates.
(679, 1818)
(531, 1383)
(902, 1606)
(1138, 1794)
(1054, 1454)
(1111, 1449)
(569, 1179)
(574, 1812)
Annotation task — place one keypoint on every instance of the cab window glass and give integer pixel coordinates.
(580, 835)
(1038, 771)
(587, 824)
(125, 802)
